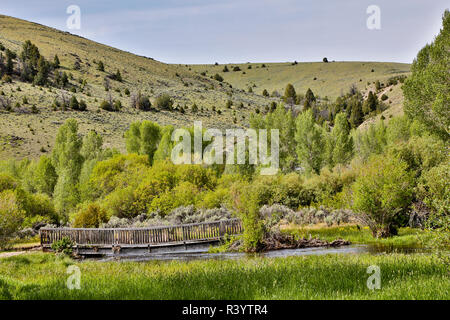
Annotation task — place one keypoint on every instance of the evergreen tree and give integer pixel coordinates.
(56, 63)
(356, 116)
(310, 97)
(290, 94)
(43, 70)
(371, 103)
(73, 104)
(9, 65)
(118, 76)
(100, 66)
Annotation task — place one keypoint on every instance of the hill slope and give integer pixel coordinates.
(24, 133)
(325, 79)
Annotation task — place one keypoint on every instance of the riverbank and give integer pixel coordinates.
(43, 276)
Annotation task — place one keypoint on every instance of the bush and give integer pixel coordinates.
(63, 246)
(381, 192)
(91, 216)
(384, 97)
(7, 182)
(12, 215)
(218, 77)
(164, 102)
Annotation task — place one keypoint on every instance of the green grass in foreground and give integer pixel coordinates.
(43, 276)
(406, 237)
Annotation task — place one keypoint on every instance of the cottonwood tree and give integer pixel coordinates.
(310, 142)
(143, 138)
(427, 91)
(67, 160)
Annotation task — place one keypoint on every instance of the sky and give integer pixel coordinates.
(239, 31)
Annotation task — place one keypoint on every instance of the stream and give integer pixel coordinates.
(203, 254)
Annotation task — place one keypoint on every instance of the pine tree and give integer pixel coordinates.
(56, 63)
(371, 103)
(43, 70)
(309, 96)
(118, 76)
(356, 116)
(100, 66)
(290, 94)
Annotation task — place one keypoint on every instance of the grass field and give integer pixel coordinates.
(43, 276)
(325, 79)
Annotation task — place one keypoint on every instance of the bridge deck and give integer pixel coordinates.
(141, 237)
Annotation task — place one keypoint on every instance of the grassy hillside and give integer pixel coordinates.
(325, 79)
(23, 133)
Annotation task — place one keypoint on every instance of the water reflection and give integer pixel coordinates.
(203, 254)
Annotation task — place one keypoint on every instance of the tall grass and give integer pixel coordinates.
(43, 276)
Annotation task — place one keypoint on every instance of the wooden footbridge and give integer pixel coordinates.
(142, 240)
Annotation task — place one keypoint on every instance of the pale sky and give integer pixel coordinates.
(206, 31)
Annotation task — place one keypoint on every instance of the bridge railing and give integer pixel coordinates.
(143, 236)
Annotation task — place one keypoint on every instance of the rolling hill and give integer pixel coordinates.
(27, 133)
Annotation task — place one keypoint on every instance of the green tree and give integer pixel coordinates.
(56, 62)
(342, 141)
(143, 138)
(67, 160)
(371, 104)
(382, 190)
(45, 176)
(12, 215)
(310, 142)
(290, 94)
(100, 66)
(427, 90)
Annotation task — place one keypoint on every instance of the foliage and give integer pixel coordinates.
(310, 142)
(427, 93)
(12, 215)
(143, 138)
(63, 246)
(90, 216)
(381, 191)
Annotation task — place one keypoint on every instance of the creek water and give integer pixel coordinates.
(203, 254)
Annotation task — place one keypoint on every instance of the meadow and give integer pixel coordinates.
(43, 276)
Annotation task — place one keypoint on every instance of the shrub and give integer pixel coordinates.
(218, 77)
(11, 216)
(7, 182)
(120, 203)
(384, 97)
(381, 192)
(164, 102)
(91, 216)
(6, 78)
(63, 246)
